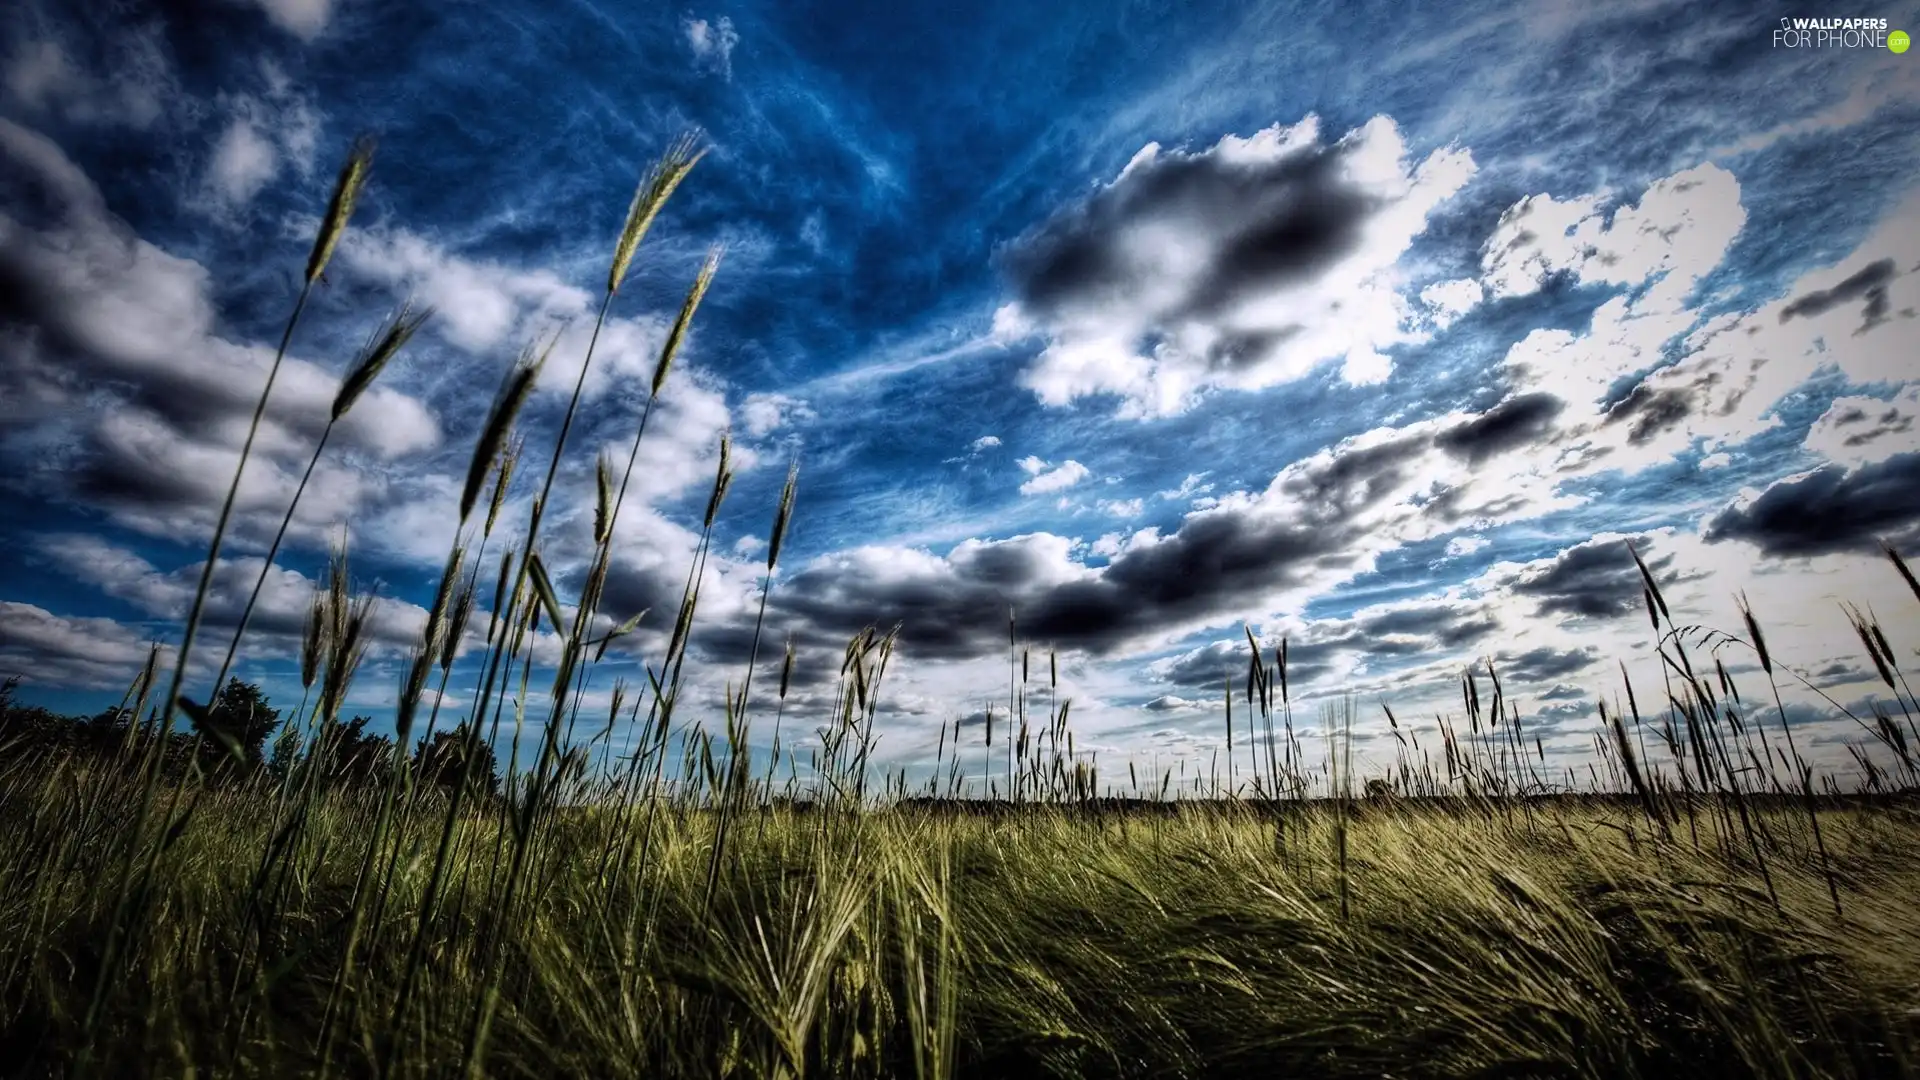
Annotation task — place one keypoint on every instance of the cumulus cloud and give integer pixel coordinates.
(279, 613)
(1627, 405)
(1319, 522)
(1240, 266)
(1049, 478)
(1448, 300)
(1595, 579)
(111, 354)
(1861, 430)
(56, 650)
(1833, 508)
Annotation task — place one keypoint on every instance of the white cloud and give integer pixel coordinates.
(137, 90)
(1448, 300)
(1048, 479)
(1124, 508)
(1733, 368)
(1677, 232)
(266, 130)
(304, 19)
(1861, 430)
(479, 304)
(1465, 545)
(1240, 267)
(712, 43)
(985, 442)
(67, 651)
(1189, 487)
(124, 369)
(243, 161)
(761, 414)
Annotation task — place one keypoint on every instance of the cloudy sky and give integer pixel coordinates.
(1379, 330)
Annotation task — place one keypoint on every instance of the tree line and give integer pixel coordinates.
(240, 736)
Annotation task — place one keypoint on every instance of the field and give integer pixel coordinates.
(645, 895)
(1562, 937)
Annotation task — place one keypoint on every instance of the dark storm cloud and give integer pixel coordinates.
(1828, 510)
(1545, 664)
(1651, 411)
(1515, 422)
(1210, 566)
(1265, 224)
(1596, 579)
(1870, 283)
(1445, 625)
(1206, 670)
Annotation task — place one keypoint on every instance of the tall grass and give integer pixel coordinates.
(1721, 907)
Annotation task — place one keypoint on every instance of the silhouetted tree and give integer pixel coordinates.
(240, 717)
(348, 755)
(443, 760)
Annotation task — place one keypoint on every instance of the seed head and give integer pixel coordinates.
(383, 345)
(506, 407)
(346, 192)
(685, 319)
(652, 194)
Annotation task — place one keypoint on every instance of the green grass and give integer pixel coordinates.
(1205, 940)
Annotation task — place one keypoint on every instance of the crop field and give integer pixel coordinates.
(210, 886)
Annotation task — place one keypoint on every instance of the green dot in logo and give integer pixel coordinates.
(1898, 41)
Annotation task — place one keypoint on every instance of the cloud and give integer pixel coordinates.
(1676, 233)
(137, 92)
(1319, 522)
(985, 442)
(279, 614)
(56, 650)
(481, 304)
(1545, 664)
(1833, 508)
(1448, 300)
(1595, 579)
(243, 161)
(1051, 478)
(304, 19)
(264, 132)
(1862, 430)
(1241, 266)
(1465, 545)
(1123, 508)
(712, 43)
(761, 414)
(1515, 422)
(1653, 378)
(1189, 488)
(1869, 283)
(120, 393)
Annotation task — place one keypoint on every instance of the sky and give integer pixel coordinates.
(1379, 328)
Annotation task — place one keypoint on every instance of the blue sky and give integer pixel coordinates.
(1376, 327)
